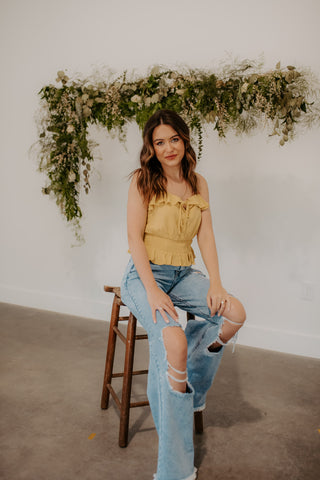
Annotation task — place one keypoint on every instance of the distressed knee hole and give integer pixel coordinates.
(215, 347)
(176, 346)
(228, 330)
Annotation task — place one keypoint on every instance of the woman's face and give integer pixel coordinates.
(168, 146)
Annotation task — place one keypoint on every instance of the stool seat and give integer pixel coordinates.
(125, 404)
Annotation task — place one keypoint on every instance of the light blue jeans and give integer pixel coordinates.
(172, 411)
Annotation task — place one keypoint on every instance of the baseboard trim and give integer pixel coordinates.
(82, 307)
(296, 343)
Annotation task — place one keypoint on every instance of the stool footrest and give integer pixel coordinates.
(123, 338)
(120, 334)
(137, 372)
(139, 404)
(114, 396)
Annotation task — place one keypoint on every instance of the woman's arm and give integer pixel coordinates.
(136, 221)
(208, 249)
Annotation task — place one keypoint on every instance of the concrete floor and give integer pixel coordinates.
(261, 421)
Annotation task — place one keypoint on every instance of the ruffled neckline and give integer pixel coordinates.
(172, 199)
(187, 199)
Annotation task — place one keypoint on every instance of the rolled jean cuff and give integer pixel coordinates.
(193, 476)
(199, 409)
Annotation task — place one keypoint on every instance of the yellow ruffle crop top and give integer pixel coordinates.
(171, 225)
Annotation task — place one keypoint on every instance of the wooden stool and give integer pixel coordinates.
(124, 405)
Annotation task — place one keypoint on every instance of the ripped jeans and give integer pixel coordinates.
(172, 410)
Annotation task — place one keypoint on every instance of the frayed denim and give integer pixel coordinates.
(172, 411)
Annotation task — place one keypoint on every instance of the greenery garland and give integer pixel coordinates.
(238, 98)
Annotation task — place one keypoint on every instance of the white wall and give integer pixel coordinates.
(264, 198)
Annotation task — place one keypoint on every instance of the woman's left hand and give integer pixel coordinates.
(218, 300)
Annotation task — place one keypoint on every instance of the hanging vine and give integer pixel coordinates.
(240, 98)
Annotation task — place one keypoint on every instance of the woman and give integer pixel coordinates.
(168, 204)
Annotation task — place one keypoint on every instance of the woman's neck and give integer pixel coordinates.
(174, 175)
(177, 185)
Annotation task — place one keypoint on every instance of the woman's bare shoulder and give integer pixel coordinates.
(202, 186)
(135, 175)
(135, 194)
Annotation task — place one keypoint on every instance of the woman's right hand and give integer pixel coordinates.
(160, 301)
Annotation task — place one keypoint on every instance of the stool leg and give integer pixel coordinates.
(198, 417)
(127, 381)
(198, 422)
(110, 353)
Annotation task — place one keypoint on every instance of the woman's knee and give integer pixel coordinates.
(236, 312)
(234, 318)
(176, 346)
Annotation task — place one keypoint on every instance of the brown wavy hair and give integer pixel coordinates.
(150, 176)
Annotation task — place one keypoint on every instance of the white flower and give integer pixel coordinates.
(163, 92)
(78, 107)
(62, 77)
(70, 128)
(155, 70)
(174, 75)
(136, 99)
(162, 83)
(253, 78)
(210, 117)
(72, 176)
(155, 98)
(86, 111)
(244, 87)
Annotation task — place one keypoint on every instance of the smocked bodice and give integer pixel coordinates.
(171, 225)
